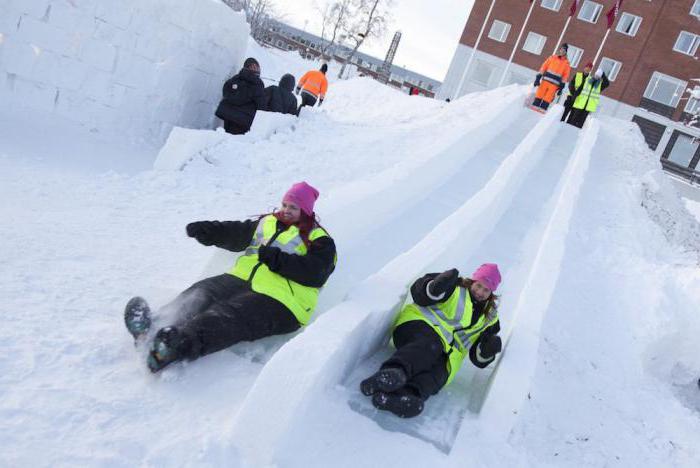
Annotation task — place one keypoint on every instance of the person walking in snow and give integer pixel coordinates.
(589, 97)
(313, 86)
(575, 90)
(281, 98)
(449, 319)
(550, 81)
(272, 288)
(243, 94)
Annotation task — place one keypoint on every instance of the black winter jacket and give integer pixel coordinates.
(419, 293)
(243, 94)
(312, 269)
(280, 98)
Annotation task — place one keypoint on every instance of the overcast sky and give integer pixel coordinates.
(429, 31)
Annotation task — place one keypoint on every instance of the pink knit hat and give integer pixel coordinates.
(489, 275)
(303, 195)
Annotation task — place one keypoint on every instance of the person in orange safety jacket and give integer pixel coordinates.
(313, 86)
(552, 78)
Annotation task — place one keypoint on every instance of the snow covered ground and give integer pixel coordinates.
(601, 290)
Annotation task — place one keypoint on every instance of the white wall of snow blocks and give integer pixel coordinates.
(133, 68)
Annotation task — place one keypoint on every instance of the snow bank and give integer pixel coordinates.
(133, 68)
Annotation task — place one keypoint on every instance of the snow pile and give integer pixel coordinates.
(133, 68)
(599, 305)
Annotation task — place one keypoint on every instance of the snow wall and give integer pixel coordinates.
(133, 68)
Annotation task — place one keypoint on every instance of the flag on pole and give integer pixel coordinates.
(572, 10)
(612, 13)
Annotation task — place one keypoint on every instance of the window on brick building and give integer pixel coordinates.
(534, 43)
(628, 24)
(499, 31)
(551, 4)
(695, 9)
(610, 67)
(482, 72)
(692, 106)
(574, 55)
(687, 43)
(665, 89)
(590, 11)
(683, 150)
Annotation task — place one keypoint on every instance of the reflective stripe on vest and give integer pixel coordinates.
(299, 299)
(552, 77)
(436, 315)
(589, 97)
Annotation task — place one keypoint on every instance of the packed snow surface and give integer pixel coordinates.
(600, 292)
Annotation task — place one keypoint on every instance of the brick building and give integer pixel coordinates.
(650, 56)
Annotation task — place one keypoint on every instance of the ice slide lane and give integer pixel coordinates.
(356, 328)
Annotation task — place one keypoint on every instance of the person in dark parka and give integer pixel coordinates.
(281, 98)
(243, 94)
(286, 258)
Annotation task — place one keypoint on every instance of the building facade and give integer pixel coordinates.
(650, 56)
(310, 46)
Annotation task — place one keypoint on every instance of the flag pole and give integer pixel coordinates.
(515, 47)
(471, 57)
(561, 36)
(601, 47)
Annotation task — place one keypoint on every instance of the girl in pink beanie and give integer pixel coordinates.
(449, 319)
(286, 257)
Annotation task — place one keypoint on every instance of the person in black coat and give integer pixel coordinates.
(286, 257)
(243, 94)
(281, 98)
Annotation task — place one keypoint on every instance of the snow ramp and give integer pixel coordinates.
(319, 386)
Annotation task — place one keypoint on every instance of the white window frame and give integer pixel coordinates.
(574, 60)
(695, 9)
(693, 46)
(653, 83)
(530, 37)
(692, 105)
(553, 5)
(636, 21)
(614, 68)
(598, 9)
(503, 36)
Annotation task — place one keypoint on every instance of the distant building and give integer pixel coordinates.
(651, 57)
(309, 46)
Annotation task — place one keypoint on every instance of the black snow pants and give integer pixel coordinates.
(577, 117)
(220, 311)
(235, 128)
(307, 100)
(419, 351)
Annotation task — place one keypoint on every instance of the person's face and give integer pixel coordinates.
(562, 51)
(479, 291)
(587, 70)
(290, 212)
(255, 68)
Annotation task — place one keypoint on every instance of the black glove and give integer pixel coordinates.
(561, 88)
(296, 91)
(269, 256)
(559, 92)
(490, 345)
(320, 101)
(443, 282)
(204, 231)
(537, 79)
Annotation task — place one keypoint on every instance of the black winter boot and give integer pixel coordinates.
(169, 346)
(404, 403)
(384, 380)
(137, 317)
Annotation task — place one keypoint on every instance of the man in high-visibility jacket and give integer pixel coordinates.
(313, 86)
(589, 97)
(552, 78)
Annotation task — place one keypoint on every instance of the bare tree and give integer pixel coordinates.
(370, 18)
(260, 14)
(335, 16)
